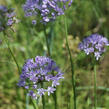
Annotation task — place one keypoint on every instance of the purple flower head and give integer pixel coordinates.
(38, 71)
(7, 17)
(48, 10)
(95, 44)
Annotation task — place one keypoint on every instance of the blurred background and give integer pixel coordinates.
(84, 17)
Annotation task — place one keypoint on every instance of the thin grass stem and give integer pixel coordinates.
(71, 62)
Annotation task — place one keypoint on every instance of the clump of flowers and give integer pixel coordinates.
(7, 17)
(46, 10)
(94, 44)
(40, 76)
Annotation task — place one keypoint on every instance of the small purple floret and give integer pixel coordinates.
(34, 22)
(50, 90)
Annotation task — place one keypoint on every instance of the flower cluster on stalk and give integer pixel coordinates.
(95, 44)
(40, 75)
(7, 17)
(46, 10)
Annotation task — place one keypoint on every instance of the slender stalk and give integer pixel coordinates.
(55, 99)
(95, 88)
(47, 43)
(71, 62)
(43, 99)
(49, 54)
(34, 106)
(7, 42)
(27, 101)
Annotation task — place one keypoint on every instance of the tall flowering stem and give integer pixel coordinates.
(48, 48)
(95, 88)
(94, 45)
(7, 42)
(71, 62)
(49, 54)
(7, 20)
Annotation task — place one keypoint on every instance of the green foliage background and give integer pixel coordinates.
(84, 17)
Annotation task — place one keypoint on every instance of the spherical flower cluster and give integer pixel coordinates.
(47, 10)
(95, 44)
(7, 17)
(39, 76)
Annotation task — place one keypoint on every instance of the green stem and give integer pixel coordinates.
(47, 43)
(34, 106)
(43, 99)
(71, 62)
(7, 42)
(55, 99)
(27, 101)
(95, 88)
(49, 54)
